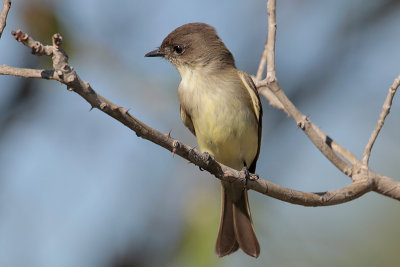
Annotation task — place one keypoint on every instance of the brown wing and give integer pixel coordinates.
(187, 120)
(251, 88)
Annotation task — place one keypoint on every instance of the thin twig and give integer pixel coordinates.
(385, 111)
(271, 39)
(37, 48)
(331, 149)
(263, 63)
(269, 85)
(268, 59)
(3, 15)
(28, 73)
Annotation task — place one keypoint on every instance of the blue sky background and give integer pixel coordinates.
(77, 188)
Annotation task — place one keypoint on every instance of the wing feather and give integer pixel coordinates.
(252, 90)
(187, 120)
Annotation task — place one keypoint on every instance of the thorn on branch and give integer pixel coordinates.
(126, 112)
(168, 135)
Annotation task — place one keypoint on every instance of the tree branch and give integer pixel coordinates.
(66, 74)
(271, 40)
(363, 179)
(342, 158)
(3, 15)
(387, 186)
(385, 111)
(28, 73)
(268, 58)
(270, 84)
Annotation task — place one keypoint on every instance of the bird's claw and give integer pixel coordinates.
(249, 176)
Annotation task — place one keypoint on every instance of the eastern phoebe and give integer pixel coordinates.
(221, 107)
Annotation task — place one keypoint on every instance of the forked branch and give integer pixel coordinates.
(363, 179)
(342, 158)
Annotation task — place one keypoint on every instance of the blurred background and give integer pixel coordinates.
(77, 188)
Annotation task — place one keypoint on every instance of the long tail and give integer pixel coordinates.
(236, 228)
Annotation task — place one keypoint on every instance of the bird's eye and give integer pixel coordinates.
(178, 49)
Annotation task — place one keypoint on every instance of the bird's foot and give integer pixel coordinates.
(249, 176)
(207, 157)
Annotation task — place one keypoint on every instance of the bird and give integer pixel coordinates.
(220, 105)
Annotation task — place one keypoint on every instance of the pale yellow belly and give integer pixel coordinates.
(231, 136)
(222, 114)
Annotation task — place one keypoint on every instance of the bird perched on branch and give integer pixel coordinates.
(221, 107)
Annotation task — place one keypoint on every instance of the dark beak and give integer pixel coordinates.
(155, 53)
